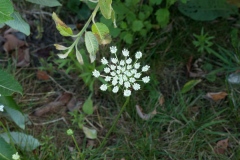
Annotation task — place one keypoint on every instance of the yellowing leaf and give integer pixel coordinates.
(61, 26)
(90, 133)
(101, 32)
(217, 96)
(106, 8)
(79, 57)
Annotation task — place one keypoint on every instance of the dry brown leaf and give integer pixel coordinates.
(23, 57)
(42, 75)
(161, 100)
(145, 116)
(53, 106)
(216, 96)
(12, 43)
(221, 146)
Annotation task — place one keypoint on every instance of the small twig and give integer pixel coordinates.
(60, 85)
(53, 121)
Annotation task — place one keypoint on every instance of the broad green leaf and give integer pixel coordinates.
(6, 9)
(13, 110)
(162, 16)
(206, 10)
(106, 8)
(90, 133)
(48, 3)
(101, 32)
(8, 85)
(189, 85)
(19, 24)
(137, 25)
(22, 140)
(88, 106)
(91, 45)
(128, 38)
(155, 2)
(6, 150)
(61, 26)
(79, 56)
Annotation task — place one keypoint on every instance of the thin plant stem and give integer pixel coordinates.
(76, 145)
(111, 129)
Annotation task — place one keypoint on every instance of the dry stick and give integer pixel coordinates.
(59, 85)
(53, 121)
(111, 129)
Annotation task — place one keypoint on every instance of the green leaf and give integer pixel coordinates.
(91, 45)
(206, 10)
(137, 25)
(8, 85)
(106, 8)
(22, 140)
(88, 106)
(61, 26)
(189, 85)
(128, 38)
(162, 16)
(6, 9)
(90, 133)
(101, 32)
(19, 24)
(155, 2)
(6, 150)
(79, 56)
(13, 110)
(48, 3)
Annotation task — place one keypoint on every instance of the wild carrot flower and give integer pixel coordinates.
(1, 108)
(122, 74)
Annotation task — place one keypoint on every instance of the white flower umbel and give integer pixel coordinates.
(16, 156)
(1, 108)
(124, 73)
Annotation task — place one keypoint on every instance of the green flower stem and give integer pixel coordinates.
(79, 151)
(111, 129)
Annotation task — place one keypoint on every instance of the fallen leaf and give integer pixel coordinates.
(42, 75)
(90, 133)
(145, 116)
(21, 55)
(161, 100)
(216, 96)
(221, 146)
(12, 43)
(53, 106)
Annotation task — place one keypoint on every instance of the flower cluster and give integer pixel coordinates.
(1, 108)
(122, 73)
(16, 156)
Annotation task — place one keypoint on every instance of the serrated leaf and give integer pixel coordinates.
(128, 38)
(91, 45)
(6, 9)
(88, 106)
(106, 8)
(19, 24)
(79, 56)
(22, 140)
(90, 133)
(48, 3)
(162, 16)
(6, 150)
(8, 85)
(13, 111)
(61, 26)
(137, 25)
(189, 85)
